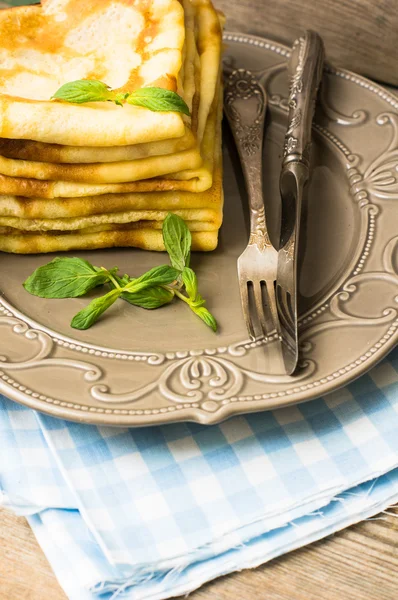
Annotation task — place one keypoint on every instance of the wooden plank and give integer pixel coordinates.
(360, 35)
(24, 571)
(360, 563)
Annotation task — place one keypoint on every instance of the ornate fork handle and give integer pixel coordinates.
(245, 104)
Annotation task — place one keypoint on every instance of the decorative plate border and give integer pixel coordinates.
(217, 405)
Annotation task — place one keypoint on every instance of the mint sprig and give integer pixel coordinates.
(73, 277)
(92, 90)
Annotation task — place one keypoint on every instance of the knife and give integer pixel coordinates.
(305, 73)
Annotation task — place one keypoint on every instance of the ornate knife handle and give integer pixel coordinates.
(305, 71)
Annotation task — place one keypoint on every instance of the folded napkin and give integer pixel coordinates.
(152, 513)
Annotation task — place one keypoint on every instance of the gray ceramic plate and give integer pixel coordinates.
(137, 367)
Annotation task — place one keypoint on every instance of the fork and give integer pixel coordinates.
(245, 105)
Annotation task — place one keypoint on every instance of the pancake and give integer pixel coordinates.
(193, 225)
(55, 153)
(201, 215)
(183, 166)
(115, 172)
(126, 44)
(144, 238)
(64, 208)
(32, 150)
(143, 167)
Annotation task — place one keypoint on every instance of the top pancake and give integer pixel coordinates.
(127, 44)
(19, 176)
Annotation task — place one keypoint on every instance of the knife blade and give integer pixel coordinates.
(305, 73)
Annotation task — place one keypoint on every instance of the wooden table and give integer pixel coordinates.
(360, 563)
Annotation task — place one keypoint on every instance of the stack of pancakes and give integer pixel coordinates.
(96, 175)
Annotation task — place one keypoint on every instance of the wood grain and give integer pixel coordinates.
(359, 563)
(360, 35)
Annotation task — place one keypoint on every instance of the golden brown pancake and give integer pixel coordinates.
(56, 153)
(145, 238)
(126, 44)
(32, 150)
(185, 166)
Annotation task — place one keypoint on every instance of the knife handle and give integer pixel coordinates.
(305, 73)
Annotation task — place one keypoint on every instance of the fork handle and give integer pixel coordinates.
(245, 105)
(305, 73)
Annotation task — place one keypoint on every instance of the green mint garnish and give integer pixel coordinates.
(91, 90)
(66, 277)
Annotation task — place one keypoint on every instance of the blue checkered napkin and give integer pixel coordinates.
(167, 508)
(153, 495)
(29, 475)
(84, 572)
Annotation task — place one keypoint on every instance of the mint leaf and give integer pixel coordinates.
(150, 298)
(158, 99)
(84, 90)
(206, 316)
(89, 315)
(191, 283)
(65, 278)
(177, 240)
(162, 275)
(195, 300)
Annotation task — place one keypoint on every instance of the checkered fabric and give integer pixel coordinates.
(85, 573)
(155, 512)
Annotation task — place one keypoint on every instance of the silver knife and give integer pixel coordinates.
(305, 73)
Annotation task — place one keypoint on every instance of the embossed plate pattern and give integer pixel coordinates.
(136, 367)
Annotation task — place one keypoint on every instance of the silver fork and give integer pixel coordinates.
(245, 105)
